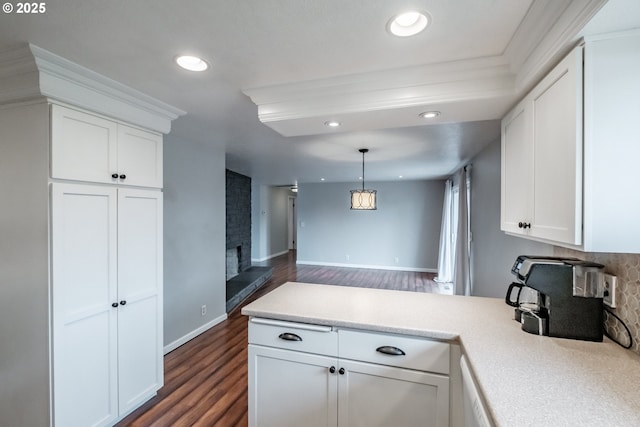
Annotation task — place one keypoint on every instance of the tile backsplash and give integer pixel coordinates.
(627, 268)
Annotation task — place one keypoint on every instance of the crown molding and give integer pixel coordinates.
(549, 31)
(29, 72)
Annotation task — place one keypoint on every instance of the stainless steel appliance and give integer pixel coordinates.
(569, 297)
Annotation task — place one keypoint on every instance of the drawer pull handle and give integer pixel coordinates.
(288, 336)
(391, 351)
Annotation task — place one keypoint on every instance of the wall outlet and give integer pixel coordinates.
(610, 284)
(203, 310)
(347, 257)
(397, 260)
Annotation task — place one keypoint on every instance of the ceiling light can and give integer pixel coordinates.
(192, 63)
(429, 114)
(408, 23)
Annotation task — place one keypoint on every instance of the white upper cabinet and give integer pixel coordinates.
(86, 147)
(542, 158)
(612, 143)
(570, 150)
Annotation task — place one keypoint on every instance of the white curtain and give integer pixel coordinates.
(462, 258)
(445, 256)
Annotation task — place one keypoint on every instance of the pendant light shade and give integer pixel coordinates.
(363, 199)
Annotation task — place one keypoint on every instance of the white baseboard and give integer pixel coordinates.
(191, 335)
(373, 267)
(269, 257)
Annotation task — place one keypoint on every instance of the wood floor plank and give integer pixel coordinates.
(206, 379)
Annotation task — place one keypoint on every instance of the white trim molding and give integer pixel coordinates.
(28, 72)
(269, 256)
(368, 266)
(191, 335)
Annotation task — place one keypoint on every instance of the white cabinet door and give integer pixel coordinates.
(84, 287)
(289, 388)
(516, 177)
(557, 144)
(83, 146)
(139, 157)
(139, 296)
(372, 395)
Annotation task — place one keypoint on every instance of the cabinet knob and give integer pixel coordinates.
(332, 369)
(341, 371)
(123, 302)
(114, 175)
(123, 176)
(114, 305)
(524, 225)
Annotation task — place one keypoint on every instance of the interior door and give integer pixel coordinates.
(139, 295)
(84, 238)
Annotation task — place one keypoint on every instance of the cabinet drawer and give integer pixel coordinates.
(419, 353)
(294, 336)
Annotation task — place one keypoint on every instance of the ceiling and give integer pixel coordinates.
(281, 68)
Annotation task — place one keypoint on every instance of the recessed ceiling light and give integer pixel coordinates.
(321, 179)
(429, 114)
(192, 63)
(332, 123)
(400, 176)
(408, 24)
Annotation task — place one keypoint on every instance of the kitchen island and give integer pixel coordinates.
(526, 380)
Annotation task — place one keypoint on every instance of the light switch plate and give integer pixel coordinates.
(610, 285)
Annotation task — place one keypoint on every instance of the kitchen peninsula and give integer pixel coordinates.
(526, 380)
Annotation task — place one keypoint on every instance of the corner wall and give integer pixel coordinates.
(194, 239)
(269, 221)
(403, 233)
(494, 252)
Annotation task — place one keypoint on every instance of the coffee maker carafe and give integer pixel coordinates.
(569, 297)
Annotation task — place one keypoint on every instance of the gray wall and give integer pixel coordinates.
(194, 236)
(405, 226)
(24, 266)
(493, 251)
(269, 221)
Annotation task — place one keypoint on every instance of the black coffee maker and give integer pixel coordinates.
(570, 295)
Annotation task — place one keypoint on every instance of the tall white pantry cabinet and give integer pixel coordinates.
(80, 256)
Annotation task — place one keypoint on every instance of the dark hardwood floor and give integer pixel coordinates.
(205, 382)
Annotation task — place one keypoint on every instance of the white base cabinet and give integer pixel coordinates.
(291, 384)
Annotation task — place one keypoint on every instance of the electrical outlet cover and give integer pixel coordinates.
(610, 285)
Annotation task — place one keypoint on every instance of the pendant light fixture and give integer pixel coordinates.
(363, 200)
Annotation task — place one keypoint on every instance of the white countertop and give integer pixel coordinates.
(527, 380)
